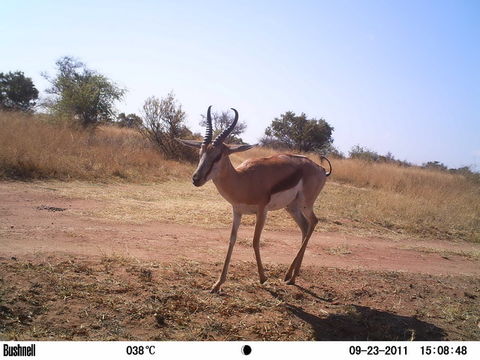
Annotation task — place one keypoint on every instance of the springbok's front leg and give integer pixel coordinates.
(237, 217)
(261, 216)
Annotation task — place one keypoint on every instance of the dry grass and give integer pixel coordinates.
(339, 250)
(359, 197)
(414, 181)
(31, 148)
(340, 207)
(116, 298)
(472, 254)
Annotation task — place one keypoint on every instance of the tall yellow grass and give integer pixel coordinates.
(424, 200)
(34, 149)
(379, 196)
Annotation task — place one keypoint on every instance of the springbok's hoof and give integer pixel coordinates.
(215, 289)
(290, 281)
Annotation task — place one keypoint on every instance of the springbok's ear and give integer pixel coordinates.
(191, 143)
(238, 148)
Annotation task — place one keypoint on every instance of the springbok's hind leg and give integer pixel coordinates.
(294, 269)
(294, 211)
(237, 217)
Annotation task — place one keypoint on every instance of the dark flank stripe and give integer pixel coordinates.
(287, 183)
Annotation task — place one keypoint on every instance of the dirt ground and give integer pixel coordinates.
(68, 276)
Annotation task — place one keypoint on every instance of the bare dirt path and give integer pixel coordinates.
(67, 274)
(36, 224)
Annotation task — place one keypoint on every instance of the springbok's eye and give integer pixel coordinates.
(213, 162)
(218, 157)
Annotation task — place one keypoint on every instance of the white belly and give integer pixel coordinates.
(277, 201)
(283, 198)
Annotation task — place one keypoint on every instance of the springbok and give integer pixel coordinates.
(257, 186)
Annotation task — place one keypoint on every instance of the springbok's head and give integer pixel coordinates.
(213, 153)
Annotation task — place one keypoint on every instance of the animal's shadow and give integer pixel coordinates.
(357, 322)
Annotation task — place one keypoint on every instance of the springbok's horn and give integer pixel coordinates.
(219, 139)
(208, 133)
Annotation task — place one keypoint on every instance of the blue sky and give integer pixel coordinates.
(398, 76)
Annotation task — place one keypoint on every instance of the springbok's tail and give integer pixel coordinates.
(329, 164)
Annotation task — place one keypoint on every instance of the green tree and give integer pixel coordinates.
(221, 121)
(299, 133)
(82, 94)
(163, 121)
(17, 92)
